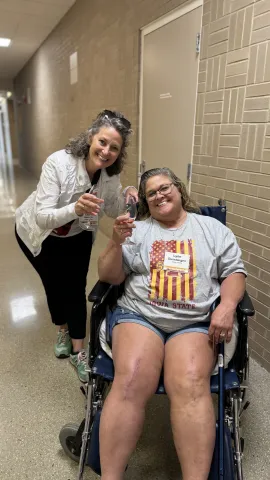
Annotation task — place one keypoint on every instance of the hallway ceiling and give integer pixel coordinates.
(27, 23)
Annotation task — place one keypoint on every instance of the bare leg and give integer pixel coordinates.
(77, 344)
(138, 357)
(63, 327)
(188, 365)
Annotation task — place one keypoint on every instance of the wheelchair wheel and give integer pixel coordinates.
(67, 439)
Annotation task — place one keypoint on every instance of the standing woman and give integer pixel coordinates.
(48, 223)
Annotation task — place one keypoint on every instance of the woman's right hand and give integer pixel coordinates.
(122, 228)
(89, 204)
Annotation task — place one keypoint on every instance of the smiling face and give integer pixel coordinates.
(163, 198)
(105, 147)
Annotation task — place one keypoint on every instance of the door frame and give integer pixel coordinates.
(151, 27)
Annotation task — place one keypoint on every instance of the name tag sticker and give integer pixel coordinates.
(176, 261)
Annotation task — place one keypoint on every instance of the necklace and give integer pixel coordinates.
(172, 231)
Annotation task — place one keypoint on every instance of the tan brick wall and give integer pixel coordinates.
(232, 139)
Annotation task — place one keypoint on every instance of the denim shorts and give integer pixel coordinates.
(122, 315)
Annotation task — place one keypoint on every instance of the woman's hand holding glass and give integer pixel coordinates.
(122, 229)
(131, 209)
(88, 204)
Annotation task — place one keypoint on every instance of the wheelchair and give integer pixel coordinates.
(81, 443)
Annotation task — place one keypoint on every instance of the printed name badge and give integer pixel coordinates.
(176, 261)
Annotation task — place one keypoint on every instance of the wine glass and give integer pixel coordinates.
(131, 208)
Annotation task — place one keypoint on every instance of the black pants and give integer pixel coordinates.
(62, 266)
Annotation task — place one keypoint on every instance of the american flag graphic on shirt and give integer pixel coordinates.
(170, 284)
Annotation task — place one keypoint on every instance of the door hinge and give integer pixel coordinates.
(142, 167)
(189, 171)
(198, 42)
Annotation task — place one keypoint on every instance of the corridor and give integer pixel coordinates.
(40, 393)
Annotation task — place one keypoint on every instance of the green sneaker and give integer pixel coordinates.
(79, 361)
(63, 346)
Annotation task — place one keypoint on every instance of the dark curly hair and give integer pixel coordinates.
(143, 208)
(79, 146)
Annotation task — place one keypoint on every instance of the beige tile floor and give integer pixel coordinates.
(39, 394)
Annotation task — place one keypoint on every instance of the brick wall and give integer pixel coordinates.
(232, 139)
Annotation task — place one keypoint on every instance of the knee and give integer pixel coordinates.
(189, 386)
(133, 384)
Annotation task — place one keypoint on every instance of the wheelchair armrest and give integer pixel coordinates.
(246, 306)
(100, 290)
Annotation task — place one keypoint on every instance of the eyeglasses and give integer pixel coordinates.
(111, 115)
(163, 190)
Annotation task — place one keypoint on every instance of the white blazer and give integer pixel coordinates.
(63, 180)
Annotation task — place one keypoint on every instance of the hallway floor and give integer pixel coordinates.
(40, 393)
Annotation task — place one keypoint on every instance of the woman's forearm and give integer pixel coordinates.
(110, 266)
(48, 219)
(232, 289)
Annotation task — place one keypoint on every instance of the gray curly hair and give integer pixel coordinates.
(79, 146)
(143, 208)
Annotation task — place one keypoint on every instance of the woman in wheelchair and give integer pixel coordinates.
(178, 263)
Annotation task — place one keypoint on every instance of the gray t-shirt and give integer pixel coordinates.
(174, 274)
